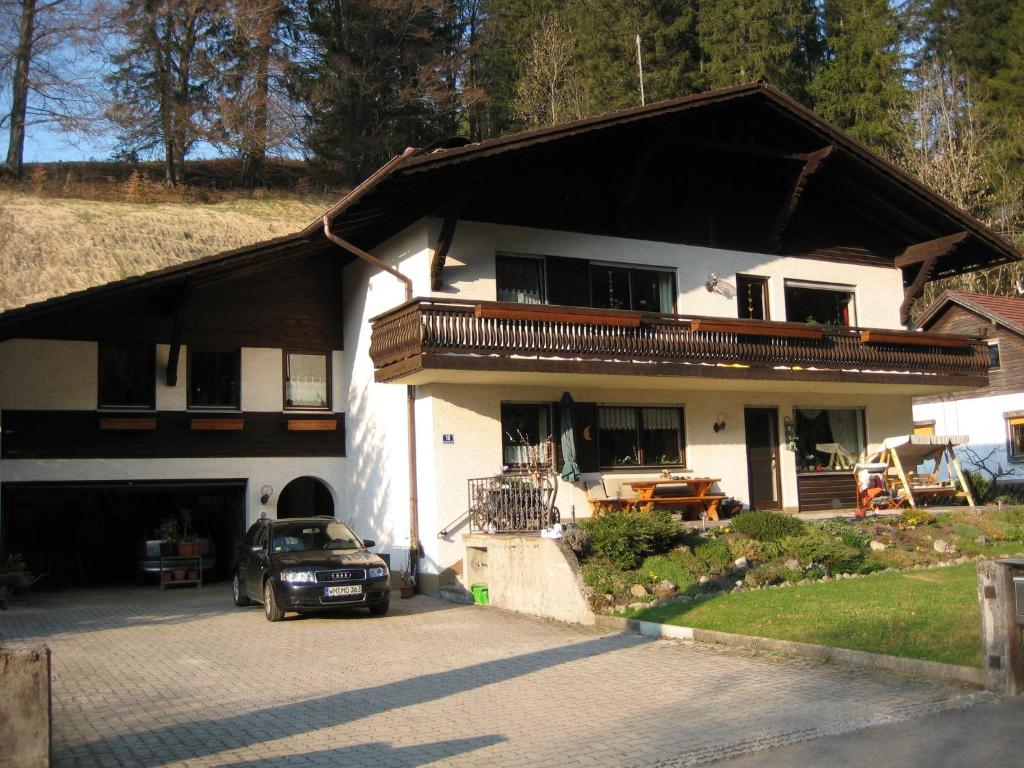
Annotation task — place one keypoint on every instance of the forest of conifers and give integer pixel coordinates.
(935, 85)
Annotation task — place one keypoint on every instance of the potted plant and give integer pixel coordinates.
(188, 545)
(408, 585)
(168, 533)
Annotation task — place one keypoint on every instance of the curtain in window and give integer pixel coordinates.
(622, 419)
(660, 418)
(519, 281)
(845, 425)
(665, 294)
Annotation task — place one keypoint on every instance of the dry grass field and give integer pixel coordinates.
(51, 245)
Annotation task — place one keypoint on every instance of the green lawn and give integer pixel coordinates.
(929, 614)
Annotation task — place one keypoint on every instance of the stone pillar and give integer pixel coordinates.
(25, 706)
(1002, 656)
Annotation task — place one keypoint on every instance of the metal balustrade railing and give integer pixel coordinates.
(512, 503)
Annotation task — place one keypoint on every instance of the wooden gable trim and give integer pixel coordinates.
(444, 241)
(927, 255)
(810, 166)
(176, 332)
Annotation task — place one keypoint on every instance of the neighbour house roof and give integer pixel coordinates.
(1007, 311)
(743, 168)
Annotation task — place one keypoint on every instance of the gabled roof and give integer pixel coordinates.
(530, 170)
(1007, 311)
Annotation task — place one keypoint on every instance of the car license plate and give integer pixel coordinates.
(350, 589)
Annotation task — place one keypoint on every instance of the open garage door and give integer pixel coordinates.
(96, 533)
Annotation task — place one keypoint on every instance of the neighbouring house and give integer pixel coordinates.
(991, 416)
(721, 283)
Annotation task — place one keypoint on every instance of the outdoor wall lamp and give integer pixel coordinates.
(265, 493)
(719, 424)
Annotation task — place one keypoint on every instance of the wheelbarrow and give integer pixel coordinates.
(17, 583)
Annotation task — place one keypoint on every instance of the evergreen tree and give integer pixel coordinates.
(371, 82)
(860, 85)
(746, 40)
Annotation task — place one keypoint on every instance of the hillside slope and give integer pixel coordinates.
(51, 246)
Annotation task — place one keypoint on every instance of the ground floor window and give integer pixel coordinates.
(525, 434)
(640, 436)
(1015, 429)
(828, 437)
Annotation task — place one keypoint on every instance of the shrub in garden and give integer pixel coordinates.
(714, 553)
(917, 517)
(766, 526)
(626, 538)
(606, 578)
(690, 562)
(817, 546)
(577, 539)
(850, 535)
(769, 574)
(661, 567)
(752, 549)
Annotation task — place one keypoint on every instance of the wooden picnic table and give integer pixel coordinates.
(694, 492)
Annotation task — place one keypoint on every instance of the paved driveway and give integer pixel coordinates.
(150, 678)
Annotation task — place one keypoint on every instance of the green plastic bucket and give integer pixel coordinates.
(480, 594)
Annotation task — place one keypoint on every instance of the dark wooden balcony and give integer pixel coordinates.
(426, 335)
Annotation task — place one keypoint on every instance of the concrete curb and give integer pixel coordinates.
(931, 670)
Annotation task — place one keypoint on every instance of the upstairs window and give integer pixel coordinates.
(306, 380)
(752, 297)
(214, 379)
(993, 356)
(615, 286)
(819, 303)
(127, 376)
(520, 279)
(637, 436)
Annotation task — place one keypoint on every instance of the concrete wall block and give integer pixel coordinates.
(528, 575)
(1002, 654)
(25, 722)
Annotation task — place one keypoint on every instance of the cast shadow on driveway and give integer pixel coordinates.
(379, 753)
(198, 738)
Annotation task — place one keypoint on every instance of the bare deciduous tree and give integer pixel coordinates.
(550, 88)
(41, 56)
(948, 146)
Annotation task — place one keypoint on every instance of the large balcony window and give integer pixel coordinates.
(520, 279)
(820, 303)
(614, 286)
(829, 437)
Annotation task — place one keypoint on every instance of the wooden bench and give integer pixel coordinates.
(708, 503)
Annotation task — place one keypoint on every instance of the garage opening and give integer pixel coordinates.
(305, 497)
(96, 533)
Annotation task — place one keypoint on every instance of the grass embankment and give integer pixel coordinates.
(924, 614)
(51, 246)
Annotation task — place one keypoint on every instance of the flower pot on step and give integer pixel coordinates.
(408, 590)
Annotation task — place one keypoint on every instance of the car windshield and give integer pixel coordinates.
(307, 537)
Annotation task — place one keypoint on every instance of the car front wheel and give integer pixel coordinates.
(270, 603)
(238, 592)
(379, 609)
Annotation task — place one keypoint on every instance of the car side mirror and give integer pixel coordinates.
(369, 543)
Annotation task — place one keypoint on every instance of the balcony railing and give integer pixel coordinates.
(425, 333)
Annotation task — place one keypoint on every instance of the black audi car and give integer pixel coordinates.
(309, 564)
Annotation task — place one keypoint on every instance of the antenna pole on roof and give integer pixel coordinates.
(640, 66)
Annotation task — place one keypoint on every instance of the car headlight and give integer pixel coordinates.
(298, 577)
(377, 573)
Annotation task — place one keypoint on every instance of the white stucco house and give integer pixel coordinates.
(992, 417)
(720, 282)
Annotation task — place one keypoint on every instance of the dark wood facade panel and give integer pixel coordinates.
(818, 492)
(1009, 377)
(80, 435)
(293, 304)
